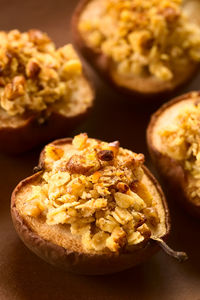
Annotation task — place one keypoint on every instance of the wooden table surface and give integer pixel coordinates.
(22, 274)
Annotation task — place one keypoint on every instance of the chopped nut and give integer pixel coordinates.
(75, 187)
(105, 155)
(107, 224)
(117, 239)
(15, 89)
(152, 215)
(53, 152)
(134, 160)
(77, 165)
(145, 231)
(139, 219)
(122, 187)
(32, 69)
(80, 141)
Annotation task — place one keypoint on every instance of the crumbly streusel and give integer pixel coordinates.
(33, 73)
(142, 37)
(97, 190)
(181, 141)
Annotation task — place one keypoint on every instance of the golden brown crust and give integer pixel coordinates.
(144, 88)
(75, 261)
(168, 167)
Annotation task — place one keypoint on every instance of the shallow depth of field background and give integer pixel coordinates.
(23, 275)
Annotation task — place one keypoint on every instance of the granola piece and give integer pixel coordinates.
(54, 153)
(32, 69)
(135, 238)
(124, 200)
(14, 89)
(80, 141)
(138, 202)
(122, 215)
(107, 224)
(152, 215)
(99, 240)
(117, 240)
(145, 231)
(77, 165)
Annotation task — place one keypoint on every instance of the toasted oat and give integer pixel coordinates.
(181, 141)
(147, 37)
(33, 73)
(94, 198)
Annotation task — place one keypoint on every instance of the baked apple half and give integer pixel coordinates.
(43, 91)
(173, 138)
(146, 48)
(91, 208)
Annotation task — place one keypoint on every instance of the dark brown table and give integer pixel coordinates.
(22, 274)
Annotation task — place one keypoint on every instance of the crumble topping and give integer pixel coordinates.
(148, 37)
(97, 190)
(34, 74)
(181, 142)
